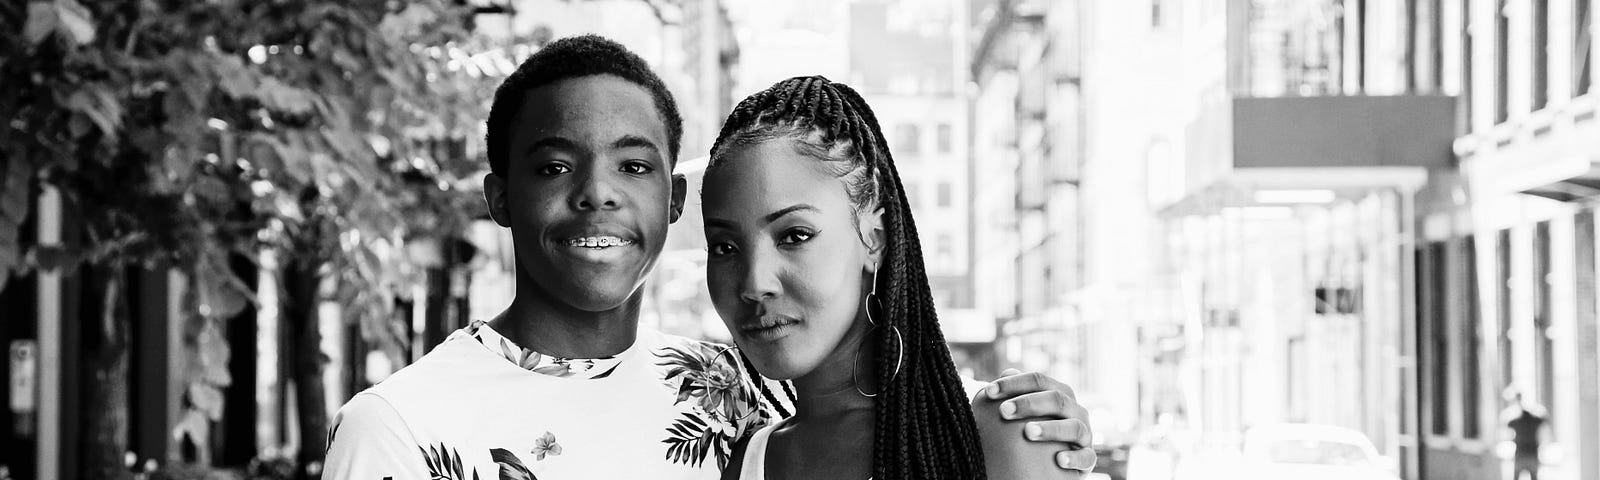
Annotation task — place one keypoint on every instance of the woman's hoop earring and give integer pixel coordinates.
(899, 357)
(738, 369)
(872, 299)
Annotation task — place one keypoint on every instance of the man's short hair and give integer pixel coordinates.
(574, 57)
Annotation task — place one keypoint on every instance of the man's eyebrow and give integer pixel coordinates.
(635, 141)
(557, 143)
(769, 218)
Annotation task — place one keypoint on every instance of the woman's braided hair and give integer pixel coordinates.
(925, 428)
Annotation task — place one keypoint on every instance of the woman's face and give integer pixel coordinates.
(787, 263)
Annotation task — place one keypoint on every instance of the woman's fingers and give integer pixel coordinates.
(1081, 459)
(1021, 384)
(1046, 404)
(1071, 431)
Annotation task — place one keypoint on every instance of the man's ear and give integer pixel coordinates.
(680, 189)
(870, 227)
(494, 192)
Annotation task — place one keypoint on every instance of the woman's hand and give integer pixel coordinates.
(1032, 426)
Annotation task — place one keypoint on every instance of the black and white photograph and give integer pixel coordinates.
(800, 239)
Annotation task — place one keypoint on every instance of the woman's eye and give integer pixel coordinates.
(637, 168)
(794, 237)
(553, 169)
(721, 249)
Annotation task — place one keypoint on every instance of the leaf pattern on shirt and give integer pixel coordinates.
(511, 467)
(719, 399)
(528, 359)
(691, 438)
(444, 463)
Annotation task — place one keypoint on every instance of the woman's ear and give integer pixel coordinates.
(494, 191)
(870, 227)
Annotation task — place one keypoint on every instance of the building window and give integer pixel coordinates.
(1467, 52)
(944, 195)
(946, 247)
(1434, 276)
(1503, 291)
(1582, 48)
(1471, 341)
(908, 138)
(1156, 16)
(945, 133)
(1541, 53)
(1427, 66)
(911, 194)
(1543, 345)
(1502, 62)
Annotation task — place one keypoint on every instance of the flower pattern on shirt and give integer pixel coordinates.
(545, 445)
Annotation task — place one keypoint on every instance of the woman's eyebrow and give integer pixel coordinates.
(774, 216)
(768, 219)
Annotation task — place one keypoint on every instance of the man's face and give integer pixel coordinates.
(589, 189)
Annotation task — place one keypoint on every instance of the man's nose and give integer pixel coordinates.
(595, 192)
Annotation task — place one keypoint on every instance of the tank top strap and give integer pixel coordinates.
(755, 454)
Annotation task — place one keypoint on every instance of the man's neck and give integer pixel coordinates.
(539, 322)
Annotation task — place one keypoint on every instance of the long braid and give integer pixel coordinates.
(924, 424)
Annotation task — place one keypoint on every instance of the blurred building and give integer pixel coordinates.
(1377, 215)
(1513, 233)
(1303, 148)
(1028, 152)
(904, 59)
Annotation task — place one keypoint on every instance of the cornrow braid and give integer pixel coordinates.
(925, 428)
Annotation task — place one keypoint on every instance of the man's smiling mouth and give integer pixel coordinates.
(598, 241)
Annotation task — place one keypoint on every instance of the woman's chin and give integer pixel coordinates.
(771, 366)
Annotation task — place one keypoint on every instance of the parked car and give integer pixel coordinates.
(1311, 452)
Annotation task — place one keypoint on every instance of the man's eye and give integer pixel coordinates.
(793, 237)
(553, 169)
(637, 168)
(721, 249)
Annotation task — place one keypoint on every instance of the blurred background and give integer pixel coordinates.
(1260, 238)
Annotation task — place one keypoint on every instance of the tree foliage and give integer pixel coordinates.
(185, 132)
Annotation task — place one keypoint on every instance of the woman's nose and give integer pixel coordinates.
(760, 280)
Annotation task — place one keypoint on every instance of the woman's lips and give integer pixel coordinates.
(769, 327)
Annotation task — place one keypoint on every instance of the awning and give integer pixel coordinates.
(1307, 150)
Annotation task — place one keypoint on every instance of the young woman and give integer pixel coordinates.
(815, 267)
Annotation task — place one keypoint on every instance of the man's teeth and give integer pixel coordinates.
(598, 242)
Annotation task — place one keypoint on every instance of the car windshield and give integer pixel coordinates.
(1318, 452)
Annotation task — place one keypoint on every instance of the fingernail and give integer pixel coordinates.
(993, 391)
(1064, 460)
(1033, 431)
(1008, 410)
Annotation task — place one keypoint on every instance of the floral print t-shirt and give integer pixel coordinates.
(481, 407)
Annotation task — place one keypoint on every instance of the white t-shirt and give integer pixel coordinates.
(480, 407)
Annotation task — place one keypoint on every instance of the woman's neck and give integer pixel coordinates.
(831, 389)
(538, 321)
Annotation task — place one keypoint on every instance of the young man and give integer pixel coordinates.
(582, 140)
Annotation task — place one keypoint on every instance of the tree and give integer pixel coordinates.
(185, 132)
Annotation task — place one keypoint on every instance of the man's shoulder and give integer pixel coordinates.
(452, 366)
